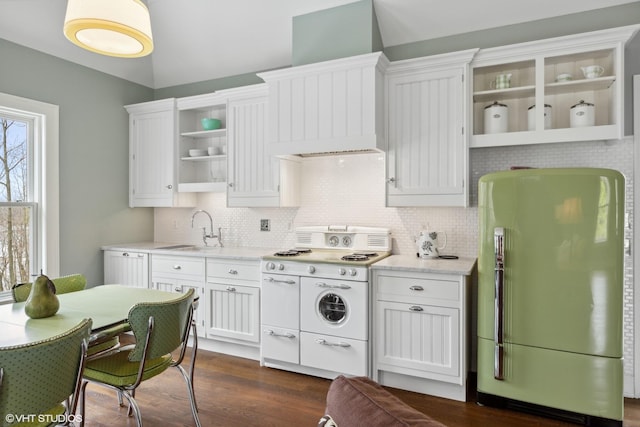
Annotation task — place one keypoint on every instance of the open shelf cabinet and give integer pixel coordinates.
(202, 173)
(535, 68)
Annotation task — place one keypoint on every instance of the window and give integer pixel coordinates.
(28, 190)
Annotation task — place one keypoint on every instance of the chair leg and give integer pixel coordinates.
(83, 398)
(192, 395)
(133, 406)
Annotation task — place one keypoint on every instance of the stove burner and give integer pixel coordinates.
(355, 257)
(286, 253)
(293, 252)
(368, 254)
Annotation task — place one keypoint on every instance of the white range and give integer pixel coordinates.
(315, 308)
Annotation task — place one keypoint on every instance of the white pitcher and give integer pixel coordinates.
(428, 243)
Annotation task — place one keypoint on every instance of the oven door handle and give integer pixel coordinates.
(324, 285)
(322, 341)
(272, 280)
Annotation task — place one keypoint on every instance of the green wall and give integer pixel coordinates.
(337, 32)
(94, 147)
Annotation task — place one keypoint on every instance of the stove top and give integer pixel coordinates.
(335, 256)
(318, 246)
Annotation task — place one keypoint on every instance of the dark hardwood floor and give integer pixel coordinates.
(238, 392)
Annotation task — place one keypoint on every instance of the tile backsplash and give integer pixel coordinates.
(350, 189)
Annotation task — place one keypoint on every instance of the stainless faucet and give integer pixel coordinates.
(206, 236)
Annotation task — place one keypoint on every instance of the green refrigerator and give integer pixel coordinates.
(550, 293)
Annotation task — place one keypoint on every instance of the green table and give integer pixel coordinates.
(106, 305)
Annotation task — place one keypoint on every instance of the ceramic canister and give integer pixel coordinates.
(531, 117)
(582, 114)
(496, 118)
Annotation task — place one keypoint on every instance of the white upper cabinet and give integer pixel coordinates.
(206, 170)
(552, 73)
(330, 106)
(426, 117)
(152, 179)
(255, 178)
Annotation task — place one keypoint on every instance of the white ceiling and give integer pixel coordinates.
(198, 40)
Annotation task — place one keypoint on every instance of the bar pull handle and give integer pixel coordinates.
(276, 334)
(416, 288)
(498, 333)
(342, 344)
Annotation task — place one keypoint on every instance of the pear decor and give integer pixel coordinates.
(42, 301)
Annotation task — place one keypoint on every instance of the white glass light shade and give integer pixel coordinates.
(110, 27)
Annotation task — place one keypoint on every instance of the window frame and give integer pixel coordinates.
(45, 132)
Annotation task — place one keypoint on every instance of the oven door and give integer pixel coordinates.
(334, 307)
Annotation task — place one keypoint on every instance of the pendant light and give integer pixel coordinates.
(119, 28)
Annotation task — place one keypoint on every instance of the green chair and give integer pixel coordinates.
(160, 328)
(64, 284)
(36, 378)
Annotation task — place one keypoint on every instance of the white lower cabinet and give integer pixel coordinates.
(179, 274)
(127, 268)
(233, 300)
(420, 332)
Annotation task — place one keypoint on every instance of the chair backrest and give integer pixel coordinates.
(171, 324)
(37, 377)
(64, 284)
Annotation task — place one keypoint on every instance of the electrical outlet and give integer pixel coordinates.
(265, 225)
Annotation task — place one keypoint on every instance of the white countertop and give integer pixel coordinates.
(463, 266)
(198, 251)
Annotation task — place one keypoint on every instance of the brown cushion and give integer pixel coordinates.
(359, 401)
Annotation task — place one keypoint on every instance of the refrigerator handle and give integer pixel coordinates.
(498, 333)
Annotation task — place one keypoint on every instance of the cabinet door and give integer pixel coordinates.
(419, 340)
(181, 286)
(253, 173)
(233, 312)
(151, 148)
(427, 155)
(126, 268)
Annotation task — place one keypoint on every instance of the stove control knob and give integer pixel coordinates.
(270, 266)
(311, 269)
(353, 272)
(342, 271)
(280, 267)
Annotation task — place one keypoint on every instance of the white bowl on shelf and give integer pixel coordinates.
(197, 152)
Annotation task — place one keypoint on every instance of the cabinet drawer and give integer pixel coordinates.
(233, 269)
(280, 344)
(172, 266)
(408, 288)
(342, 355)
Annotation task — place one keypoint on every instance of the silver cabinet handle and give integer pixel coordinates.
(231, 184)
(177, 267)
(169, 186)
(391, 180)
(125, 254)
(231, 289)
(324, 285)
(177, 289)
(272, 280)
(416, 308)
(322, 341)
(275, 334)
(498, 332)
(416, 288)
(232, 271)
